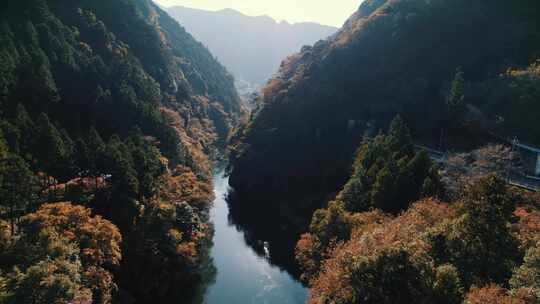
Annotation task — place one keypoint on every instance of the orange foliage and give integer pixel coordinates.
(528, 227)
(5, 234)
(373, 234)
(366, 221)
(197, 135)
(184, 186)
(404, 229)
(188, 252)
(306, 252)
(86, 183)
(492, 294)
(101, 282)
(98, 238)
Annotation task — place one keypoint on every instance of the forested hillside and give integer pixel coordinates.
(110, 115)
(396, 233)
(454, 70)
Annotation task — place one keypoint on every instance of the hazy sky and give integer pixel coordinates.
(330, 12)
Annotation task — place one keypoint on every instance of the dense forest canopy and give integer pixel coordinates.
(454, 70)
(110, 114)
(393, 235)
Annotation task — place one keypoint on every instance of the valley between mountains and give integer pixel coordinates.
(393, 160)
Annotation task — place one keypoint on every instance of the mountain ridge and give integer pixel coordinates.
(392, 57)
(112, 114)
(247, 56)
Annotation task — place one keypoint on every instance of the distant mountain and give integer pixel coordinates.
(250, 47)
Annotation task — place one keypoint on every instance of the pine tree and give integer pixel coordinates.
(124, 185)
(124, 176)
(479, 242)
(96, 155)
(49, 149)
(455, 101)
(388, 174)
(82, 157)
(384, 192)
(17, 191)
(399, 138)
(25, 125)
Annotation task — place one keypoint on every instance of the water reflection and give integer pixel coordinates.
(245, 273)
(257, 219)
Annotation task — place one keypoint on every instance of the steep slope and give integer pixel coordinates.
(237, 40)
(145, 53)
(114, 106)
(391, 57)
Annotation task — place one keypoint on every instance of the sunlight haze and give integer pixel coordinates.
(324, 12)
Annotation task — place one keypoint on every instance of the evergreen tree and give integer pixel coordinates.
(528, 274)
(26, 128)
(124, 185)
(68, 158)
(96, 148)
(384, 192)
(399, 138)
(388, 174)
(82, 158)
(331, 224)
(18, 188)
(49, 150)
(123, 175)
(455, 101)
(479, 241)
(146, 162)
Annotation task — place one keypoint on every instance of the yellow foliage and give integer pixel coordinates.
(99, 239)
(184, 186)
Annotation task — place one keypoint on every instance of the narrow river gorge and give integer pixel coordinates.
(243, 275)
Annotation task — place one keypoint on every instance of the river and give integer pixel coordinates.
(243, 276)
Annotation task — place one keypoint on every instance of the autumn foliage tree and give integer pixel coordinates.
(172, 230)
(387, 176)
(83, 105)
(493, 293)
(527, 276)
(479, 241)
(385, 262)
(468, 251)
(65, 255)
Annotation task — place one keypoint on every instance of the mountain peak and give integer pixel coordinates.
(252, 59)
(230, 11)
